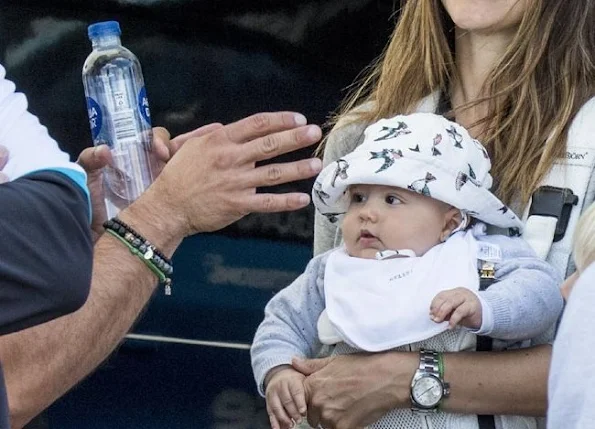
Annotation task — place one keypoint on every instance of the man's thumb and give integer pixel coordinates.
(94, 158)
(309, 366)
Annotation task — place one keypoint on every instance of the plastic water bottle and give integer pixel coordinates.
(119, 115)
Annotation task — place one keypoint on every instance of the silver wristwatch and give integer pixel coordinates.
(428, 387)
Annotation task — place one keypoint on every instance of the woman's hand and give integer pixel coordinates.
(353, 391)
(93, 159)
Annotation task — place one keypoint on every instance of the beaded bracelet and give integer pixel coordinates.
(122, 228)
(139, 246)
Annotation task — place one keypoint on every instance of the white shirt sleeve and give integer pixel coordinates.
(29, 144)
(487, 317)
(571, 386)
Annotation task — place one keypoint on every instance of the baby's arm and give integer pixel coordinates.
(289, 325)
(525, 301)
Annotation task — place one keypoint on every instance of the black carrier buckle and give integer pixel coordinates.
(554, 202)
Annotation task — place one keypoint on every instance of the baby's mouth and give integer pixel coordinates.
(367, 235)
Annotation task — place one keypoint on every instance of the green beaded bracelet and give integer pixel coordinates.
(163, 279)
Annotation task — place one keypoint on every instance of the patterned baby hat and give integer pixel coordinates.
(421, 152)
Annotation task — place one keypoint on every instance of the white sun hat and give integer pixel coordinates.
(421, 152)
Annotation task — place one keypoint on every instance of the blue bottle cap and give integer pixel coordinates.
(106, 28)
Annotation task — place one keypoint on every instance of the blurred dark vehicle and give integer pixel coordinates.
(187, 365)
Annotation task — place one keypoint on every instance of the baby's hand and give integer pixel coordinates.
(285, 397)
(458, 306)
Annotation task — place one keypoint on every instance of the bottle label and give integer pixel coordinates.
(95, 117)
(124, 126)
(143, 105)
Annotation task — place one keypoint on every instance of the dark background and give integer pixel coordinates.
(203, 61)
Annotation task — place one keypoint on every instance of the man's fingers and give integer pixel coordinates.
(161, 143)
(276, 174)
(279, 143)
(94, 158)
(177, 142)
(270, 203)
(262, 124)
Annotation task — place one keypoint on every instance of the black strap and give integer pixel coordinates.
(486, 421)
(554, 202)
(484, 344)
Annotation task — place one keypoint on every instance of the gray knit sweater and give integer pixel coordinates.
(525, 301)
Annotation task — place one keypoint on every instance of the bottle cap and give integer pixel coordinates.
(106, 28)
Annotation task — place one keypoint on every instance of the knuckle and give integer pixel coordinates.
(275, 408)
(268, 203)
(221, 160)
(326, 415)
(269, 144)
(316, 402)
(261, 121)
(274, 174)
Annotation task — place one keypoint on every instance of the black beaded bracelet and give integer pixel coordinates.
(128, 228)
(147, 250)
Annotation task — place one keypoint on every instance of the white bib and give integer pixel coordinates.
(376, 305)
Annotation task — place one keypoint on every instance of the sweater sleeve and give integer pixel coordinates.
(289, 325)
(46, 250)
(29, 145)
(525, 300)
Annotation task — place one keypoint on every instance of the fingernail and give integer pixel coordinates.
(313, 132)
(300, 119)
(304, 199)
(316, 164)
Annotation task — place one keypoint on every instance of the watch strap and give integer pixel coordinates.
(430, 363)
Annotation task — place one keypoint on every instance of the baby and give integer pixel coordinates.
(413, 200)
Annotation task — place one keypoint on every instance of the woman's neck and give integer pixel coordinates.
(476, 55)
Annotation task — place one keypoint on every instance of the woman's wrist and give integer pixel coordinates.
(400, 368)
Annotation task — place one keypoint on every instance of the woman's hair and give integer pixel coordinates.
(584, 239)
(544, 77)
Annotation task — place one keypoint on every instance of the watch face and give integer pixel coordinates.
(427, 391)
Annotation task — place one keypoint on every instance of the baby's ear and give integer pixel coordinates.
(452, 220)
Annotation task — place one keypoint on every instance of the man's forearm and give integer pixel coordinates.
(42, 363)
(511, 382)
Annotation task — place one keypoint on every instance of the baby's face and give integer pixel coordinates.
(390, 218)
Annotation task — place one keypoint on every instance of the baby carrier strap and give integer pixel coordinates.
(484, 343)
(556, 205)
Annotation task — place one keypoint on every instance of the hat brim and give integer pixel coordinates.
(429, 179)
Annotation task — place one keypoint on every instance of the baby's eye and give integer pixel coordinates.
(357, 197)
(392, 200)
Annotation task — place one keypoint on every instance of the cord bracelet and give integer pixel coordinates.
(154, 259)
